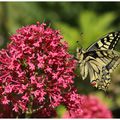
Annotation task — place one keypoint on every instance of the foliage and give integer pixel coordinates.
(94, 26)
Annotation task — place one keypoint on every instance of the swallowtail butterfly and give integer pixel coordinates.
(99, 60)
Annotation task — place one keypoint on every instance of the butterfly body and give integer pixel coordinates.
(99, 60)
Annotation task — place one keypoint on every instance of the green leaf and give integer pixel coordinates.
(94, 26)
(60, 111)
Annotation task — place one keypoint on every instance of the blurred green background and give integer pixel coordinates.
(85, 22)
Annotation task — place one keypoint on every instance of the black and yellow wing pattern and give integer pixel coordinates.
(99, 60)
(107, 42)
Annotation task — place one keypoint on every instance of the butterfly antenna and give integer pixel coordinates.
(81, 39)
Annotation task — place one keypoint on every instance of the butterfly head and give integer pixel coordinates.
(80, 54)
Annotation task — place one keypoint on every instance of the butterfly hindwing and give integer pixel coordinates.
(102, 64)
(106, 70)
(113, 64)
(98, 64)
(105, 79)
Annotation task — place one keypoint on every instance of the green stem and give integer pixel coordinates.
(30, 109)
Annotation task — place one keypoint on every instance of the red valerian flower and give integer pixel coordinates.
(35, 66)
(36, 76)
(72, 102)
(83, 106)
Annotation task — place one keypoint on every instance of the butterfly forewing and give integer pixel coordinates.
(107, 42)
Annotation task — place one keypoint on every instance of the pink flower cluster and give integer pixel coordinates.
(91, 107)
(72, 101)
(36, 76)
(35, 70)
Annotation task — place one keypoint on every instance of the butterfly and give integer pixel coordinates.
(99, 60)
